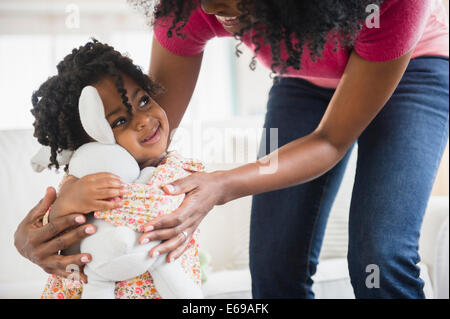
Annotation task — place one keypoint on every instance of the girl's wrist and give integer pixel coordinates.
(52, 212)
(57, 209)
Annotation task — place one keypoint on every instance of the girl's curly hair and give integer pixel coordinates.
(287, 24)
(55, 104)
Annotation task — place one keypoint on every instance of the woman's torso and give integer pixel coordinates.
(403, 25)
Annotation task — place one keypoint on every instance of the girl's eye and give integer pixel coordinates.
(119, 122)
(144, 102)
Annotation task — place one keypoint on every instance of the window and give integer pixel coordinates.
(36, 35)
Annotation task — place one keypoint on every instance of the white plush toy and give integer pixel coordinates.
(116, 253)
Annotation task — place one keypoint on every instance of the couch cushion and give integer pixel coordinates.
(331, 281)
(229, 284)
(20, 189)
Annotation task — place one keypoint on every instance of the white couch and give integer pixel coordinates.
(224, 232)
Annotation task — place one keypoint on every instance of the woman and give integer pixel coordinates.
(348, 72)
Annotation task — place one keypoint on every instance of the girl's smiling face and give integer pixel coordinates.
(144, 134)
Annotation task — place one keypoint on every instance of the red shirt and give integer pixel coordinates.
(404, 25)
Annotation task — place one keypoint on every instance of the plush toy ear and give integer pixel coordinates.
(92, 116)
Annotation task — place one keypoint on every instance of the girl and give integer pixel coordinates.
(139, 125)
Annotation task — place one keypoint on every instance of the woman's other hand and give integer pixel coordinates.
(40, 244)
(203, 192)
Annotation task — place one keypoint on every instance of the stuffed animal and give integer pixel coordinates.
(116, 253)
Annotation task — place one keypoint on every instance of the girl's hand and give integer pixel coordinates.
(203, 192)
(93, 192)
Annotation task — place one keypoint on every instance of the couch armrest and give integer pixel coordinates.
(441, 263)
(431, 240)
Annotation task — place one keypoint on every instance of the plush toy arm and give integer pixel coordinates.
(145, 175)
(116, 253)
(112, 259)
(95, 157)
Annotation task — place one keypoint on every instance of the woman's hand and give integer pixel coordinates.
(93, 192)
(203, 192)
(40, 244)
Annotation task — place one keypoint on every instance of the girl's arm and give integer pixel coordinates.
(363, 90)
(87, 194)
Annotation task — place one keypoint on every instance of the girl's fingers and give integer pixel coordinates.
(107, 204)
(109, 187)
(110, 182)
(104, 177)
(105, 193)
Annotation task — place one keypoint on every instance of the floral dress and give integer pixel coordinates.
(142, 203)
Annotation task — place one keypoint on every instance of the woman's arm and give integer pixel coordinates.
(362, 92)
(41, 243)
(178, 74)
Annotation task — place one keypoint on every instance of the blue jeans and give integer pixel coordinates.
(398, 157)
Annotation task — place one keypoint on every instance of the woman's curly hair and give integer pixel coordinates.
(55, 104)
(288, 24)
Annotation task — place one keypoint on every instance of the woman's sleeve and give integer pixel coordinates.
(401, 25)
(196, 33)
